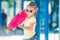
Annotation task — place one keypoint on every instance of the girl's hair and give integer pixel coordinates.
(33, 4)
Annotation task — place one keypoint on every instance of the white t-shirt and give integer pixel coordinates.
(27, 33)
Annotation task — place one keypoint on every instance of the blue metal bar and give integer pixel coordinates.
(38, 20)
(59, 19)
(46, 19)
(14, 7)
(14, 12)
(22, 4)
(0, 16)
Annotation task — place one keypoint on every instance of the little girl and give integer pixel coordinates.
(30, 21)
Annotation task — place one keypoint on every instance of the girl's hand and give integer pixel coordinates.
(20, 26)
(14, 29)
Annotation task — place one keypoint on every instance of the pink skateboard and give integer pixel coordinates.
(18, 19)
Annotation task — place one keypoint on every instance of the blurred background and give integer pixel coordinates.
(12, 7)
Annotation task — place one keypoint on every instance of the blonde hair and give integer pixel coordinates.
(33, 4)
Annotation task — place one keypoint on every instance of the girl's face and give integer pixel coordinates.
(30, 11)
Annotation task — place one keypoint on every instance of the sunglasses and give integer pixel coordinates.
(29, 11)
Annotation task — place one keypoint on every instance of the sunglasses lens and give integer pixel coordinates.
(31, 11)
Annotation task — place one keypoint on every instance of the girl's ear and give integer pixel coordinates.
(36, 9)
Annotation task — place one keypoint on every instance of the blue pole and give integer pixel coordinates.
(14, 12)
(59, 19)
(46, 19)
(22, 4)
(0, 16)
(14, 7)
(38, 20)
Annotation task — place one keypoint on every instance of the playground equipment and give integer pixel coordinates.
(53, 24)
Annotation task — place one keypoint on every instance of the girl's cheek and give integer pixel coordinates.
(31, 13)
